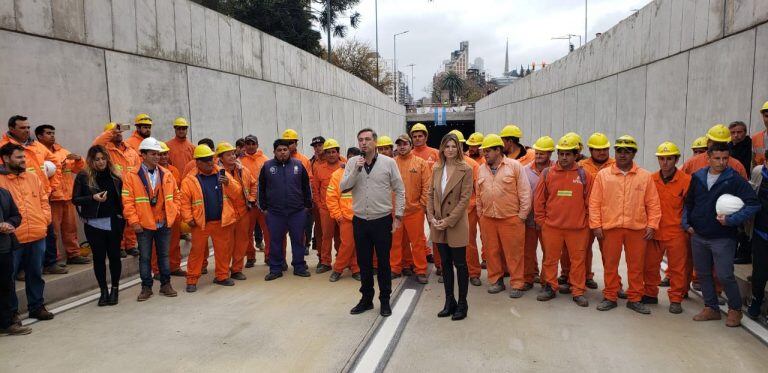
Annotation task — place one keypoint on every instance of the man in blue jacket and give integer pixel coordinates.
(714, 236)
(285, 196)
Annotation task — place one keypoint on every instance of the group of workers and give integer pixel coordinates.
(522, 199)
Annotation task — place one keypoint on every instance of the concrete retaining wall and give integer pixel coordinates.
(79, 64)
(668, 72)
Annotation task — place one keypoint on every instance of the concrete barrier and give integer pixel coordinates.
(667, 72)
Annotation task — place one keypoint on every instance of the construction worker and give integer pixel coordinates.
(503, 204)
(64, 215)
(473, 147)
(210, 215)
(340, 208)
(243, 198)
(31, 199)
(11, 221)
(561, 208)
(473, 260)
(125, 160)
(285, 195)
(318, 158)
(174, 248)
(192, 165)
(579, 157)
(420, 135)
(416, 176)
(143, 130)
(670, 240)
(719, 133)
(741, 150)
(292, 137)
(624, 212)
(699, 146)
(240, 147)
(758, 139)
(543, 148)
(181, 148)
(150, 209)
(385, 146)
(253, 159)
(511, 135)
(323, 172)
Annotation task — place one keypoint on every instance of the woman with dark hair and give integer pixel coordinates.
(97, 195)
(452, 185)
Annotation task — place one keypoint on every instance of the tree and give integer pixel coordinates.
(357, 58)
(339, 8)
(452, 83)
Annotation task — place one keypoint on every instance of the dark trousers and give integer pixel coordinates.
(258, 235)
(29, 257)
(759, 266)
(160, 238)
(454, 257)
(373, 237)
(717, 253)
(308, 229)
(278, 226)
(7, 293)
(106, 244)
(51, 252)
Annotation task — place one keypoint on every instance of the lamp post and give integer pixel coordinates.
(585, 21)
(328, 32)
(412, 79)
(376, 10)
(397, 77)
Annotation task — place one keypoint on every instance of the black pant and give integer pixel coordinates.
(6, 289)
(308, 230)
(759, 266)
(106, 244)
(258, 235)
(373, 235)
(454, 256)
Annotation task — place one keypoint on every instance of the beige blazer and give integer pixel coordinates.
(450, 206)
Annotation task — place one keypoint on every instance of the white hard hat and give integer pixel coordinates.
(150, 143)
(728, 204)
(50, 168)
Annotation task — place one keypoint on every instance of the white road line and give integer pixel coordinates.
(378, 346)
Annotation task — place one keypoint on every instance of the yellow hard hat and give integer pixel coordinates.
(203, 151)
(598, 140)
(511, 130)
(142, 119)
(491, 140)
(765, 107)
(574, 135)
(719, 133)
(699, 143)
(567, 142)
(165, 147)
(459, 135)
(224, 147)
(180, 122)
(626, 141)
(544, 144)
(384, 141)
(110, 126)
(475, 139)
(330, 144)
(419, 127)
(667, 148)
(290, 134)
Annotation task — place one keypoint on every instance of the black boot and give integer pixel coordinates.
(104, 298)
(462, 277)
(461, 311)
(449, 308)
(113, 296)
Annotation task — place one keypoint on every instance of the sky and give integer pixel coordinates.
(436, 28)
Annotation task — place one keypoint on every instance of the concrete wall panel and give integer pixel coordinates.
(630, 114)
(34, 17)
(98, 23)
(213, 58)
(166, 29)
(259, 106)
(236, 32)
(585, 118)
(183, 30)
(605, 106)
(214, 99)
(7, 15)
(288, 109)
(665, 105)
(688, 24)
(225, 43)
(760, 84)
(69, 20)
(199, 47)
(124, 25)
(146, 27)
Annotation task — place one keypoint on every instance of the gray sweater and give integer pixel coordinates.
(372, 193)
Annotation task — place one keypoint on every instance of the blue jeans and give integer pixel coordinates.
(30, 258)
(161, 237)
(278, 225)
(717, 253)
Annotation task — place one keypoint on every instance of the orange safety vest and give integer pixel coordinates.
(137, 198)
(192, 204)
(32, 200)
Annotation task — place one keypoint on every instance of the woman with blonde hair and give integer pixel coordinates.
(447, 205)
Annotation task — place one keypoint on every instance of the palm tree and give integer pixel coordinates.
(452, 83)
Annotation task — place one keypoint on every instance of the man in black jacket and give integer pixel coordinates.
(10, 218)
(741, 149)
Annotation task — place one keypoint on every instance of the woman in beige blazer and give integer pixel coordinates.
(447, 215)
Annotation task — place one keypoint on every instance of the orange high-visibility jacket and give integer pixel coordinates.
(245, 189)
(505, 194)
(254, 162)
(475, 173)
(176, 174)
(134, 141)
(180, 153)
(417, 179)
(624, 201)
(66, 170)
(593, 168)
(136, 201)
(123, 156)
(524, 159)
(322, 172)
(700, 161)
(32, 200)
(35, 154)
(480, 160)
(562, 201)
(304, 162)
(672, 200)
(192, 205)
(431, 155)
(339, 203)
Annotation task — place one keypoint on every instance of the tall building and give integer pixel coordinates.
(459, 62)
(478, 65)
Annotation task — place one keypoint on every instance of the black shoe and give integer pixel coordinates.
(622, 294)
(156, 277)
(546, 294)
(396, 275)
(753, 311)
(564, 289)
(132, 251)
(238, 276)
(407, 272)
(250, 263)
(335, 276)
(385, 310)
(461, 312)
(204, 271)
(649, 300)
(562, 280)
(430, 258)
(226, 282)
(484, 265)
(301, 273)
(273, 275)
(104, 298)
(285, 266)
(306, 251)
(606, 305)
(356, 276)
(590, 284)
(113, 296)
(123, 254)
(639, 307)
(664, 283)
(191, 288)
(527, 286)
(322, 268)
(744, 260)
(449, 308)
(581, 301)
(179, 273)
(361, 307)
(78, 260)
